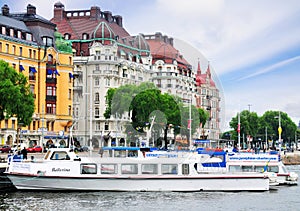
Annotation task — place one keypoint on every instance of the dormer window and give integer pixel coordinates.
(28, 37)
(48, 41)
(85, 36)
(67, 36)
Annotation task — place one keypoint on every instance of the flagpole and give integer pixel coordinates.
(239, 130)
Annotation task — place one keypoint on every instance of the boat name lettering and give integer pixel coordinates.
(253, 158)
(59, 169)
(162, 155)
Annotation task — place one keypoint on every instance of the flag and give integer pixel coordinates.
(189, 124)
(239, 128)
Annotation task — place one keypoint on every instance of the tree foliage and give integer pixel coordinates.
(257, 127)
(145, 102)
(16, 100)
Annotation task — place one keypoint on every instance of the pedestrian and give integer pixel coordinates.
(24, 153)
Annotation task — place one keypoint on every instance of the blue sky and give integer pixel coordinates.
(253, 46)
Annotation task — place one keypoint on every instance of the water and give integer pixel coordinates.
(285, 198)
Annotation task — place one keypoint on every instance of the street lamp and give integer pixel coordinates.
(279, 131)
(19, 63)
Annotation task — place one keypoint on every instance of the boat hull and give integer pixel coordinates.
(203, 182)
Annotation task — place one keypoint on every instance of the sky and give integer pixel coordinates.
(253, 46)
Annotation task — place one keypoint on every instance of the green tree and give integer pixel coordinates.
(249, 124)
(16, 100)
(270, 120)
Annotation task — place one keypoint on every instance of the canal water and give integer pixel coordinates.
(285, 198)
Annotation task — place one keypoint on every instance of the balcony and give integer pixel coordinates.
(51, 80)
(50, 98)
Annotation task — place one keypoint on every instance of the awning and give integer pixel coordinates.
(32, 69)
(21, 68)
(71, 75)
(56, 72)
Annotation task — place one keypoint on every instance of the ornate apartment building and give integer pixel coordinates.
(107, 56)
(29, 43)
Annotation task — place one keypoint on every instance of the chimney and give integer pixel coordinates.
(31, 10)
(95, 13)
(59, 10)
(171, 41)
(119, 20)
(158, 36)
(108, 16)
(5, 10)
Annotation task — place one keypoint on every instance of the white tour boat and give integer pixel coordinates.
(262, 162)
(126, 169)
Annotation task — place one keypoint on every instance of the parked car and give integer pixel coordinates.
(35, 149)
(5, 148)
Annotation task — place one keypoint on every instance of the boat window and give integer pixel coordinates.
(169, 169)
(259, 168)
(185, 169)
(88, 168)
(247, 168)
(120, 153)
(129, 168)
(109, 169)
(60, 156)
(235, 168)
(274, 169)
(149, 168)
(132, 153)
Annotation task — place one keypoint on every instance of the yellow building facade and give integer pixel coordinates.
(30, 48)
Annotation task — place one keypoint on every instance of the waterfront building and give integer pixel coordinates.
(209, 99)
(105, 56)
(30, 44)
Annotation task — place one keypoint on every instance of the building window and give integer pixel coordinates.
(85, 36)
(107, 82)
(70, 110)
(97, 67)
(21, 51)
(51, 108)
(34, 54)
(28, 37)
(13, 49)
(19, 34)
(106, 126)
(48, 41)
(3, 30)
(0, 46)
(13, 124)
(97, 97)
(51, 90)
(97, 112)
(97, 82)
(11, 32)
(70, 94)
(30, 53)
(67, 36)
(98, 126)
(7, 48)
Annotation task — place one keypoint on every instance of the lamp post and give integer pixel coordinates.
(19, 63)
(190, 123)
(279, 131)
